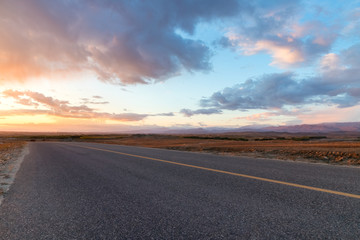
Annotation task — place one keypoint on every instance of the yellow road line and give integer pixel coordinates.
(232, 173)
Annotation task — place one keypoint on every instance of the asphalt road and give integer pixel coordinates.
(95, 191)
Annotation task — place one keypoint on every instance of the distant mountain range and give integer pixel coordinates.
(322, 127)
(303, 128)
(341, 127)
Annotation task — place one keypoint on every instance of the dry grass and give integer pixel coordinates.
(335, 148)
(6, 150)
(318, 150)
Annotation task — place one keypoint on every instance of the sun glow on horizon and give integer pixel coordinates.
(180, 64)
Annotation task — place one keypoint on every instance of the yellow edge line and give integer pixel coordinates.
(234, 174)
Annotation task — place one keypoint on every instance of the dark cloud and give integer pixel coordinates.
(266, 18)
(351, 56)
(122, 41)
(205, 111)
(269, 91)
(279, 90)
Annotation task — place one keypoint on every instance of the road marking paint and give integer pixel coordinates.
(231, 173)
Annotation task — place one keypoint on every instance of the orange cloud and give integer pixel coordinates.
(53, 107)
(282, 54)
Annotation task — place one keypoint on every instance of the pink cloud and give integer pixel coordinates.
(330, 62)
(50, 106)
(331, 114)
(259, 116)
(264, 116)
(290, 44)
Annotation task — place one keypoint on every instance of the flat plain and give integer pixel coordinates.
(334, 148)
(311, 148)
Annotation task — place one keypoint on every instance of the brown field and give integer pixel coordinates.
(334, 148)
(314, 149)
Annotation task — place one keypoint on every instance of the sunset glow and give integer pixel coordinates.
(112, 66)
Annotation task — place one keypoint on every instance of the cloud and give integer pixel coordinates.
(31, 98)
(123, 42)
(275, 28)
(287, 49)
(264, 116)
(94, 100)
(337, 84)
(131, 42)
(259, 116)
(330, 62)
(353, 23)
(280, 90)
(331, 114)
(342, 68)
(205, 111)
(42, 104)
(351, 56)
(170, 114)
(268, 91)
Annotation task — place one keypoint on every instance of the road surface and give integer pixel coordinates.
(96, 191)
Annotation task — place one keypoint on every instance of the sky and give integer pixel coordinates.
(113, 65)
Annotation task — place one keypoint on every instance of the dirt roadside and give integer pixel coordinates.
(11, 156)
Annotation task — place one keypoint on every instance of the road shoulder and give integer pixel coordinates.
(11, 159)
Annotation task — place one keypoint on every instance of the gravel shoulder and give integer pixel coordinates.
(11, 157)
